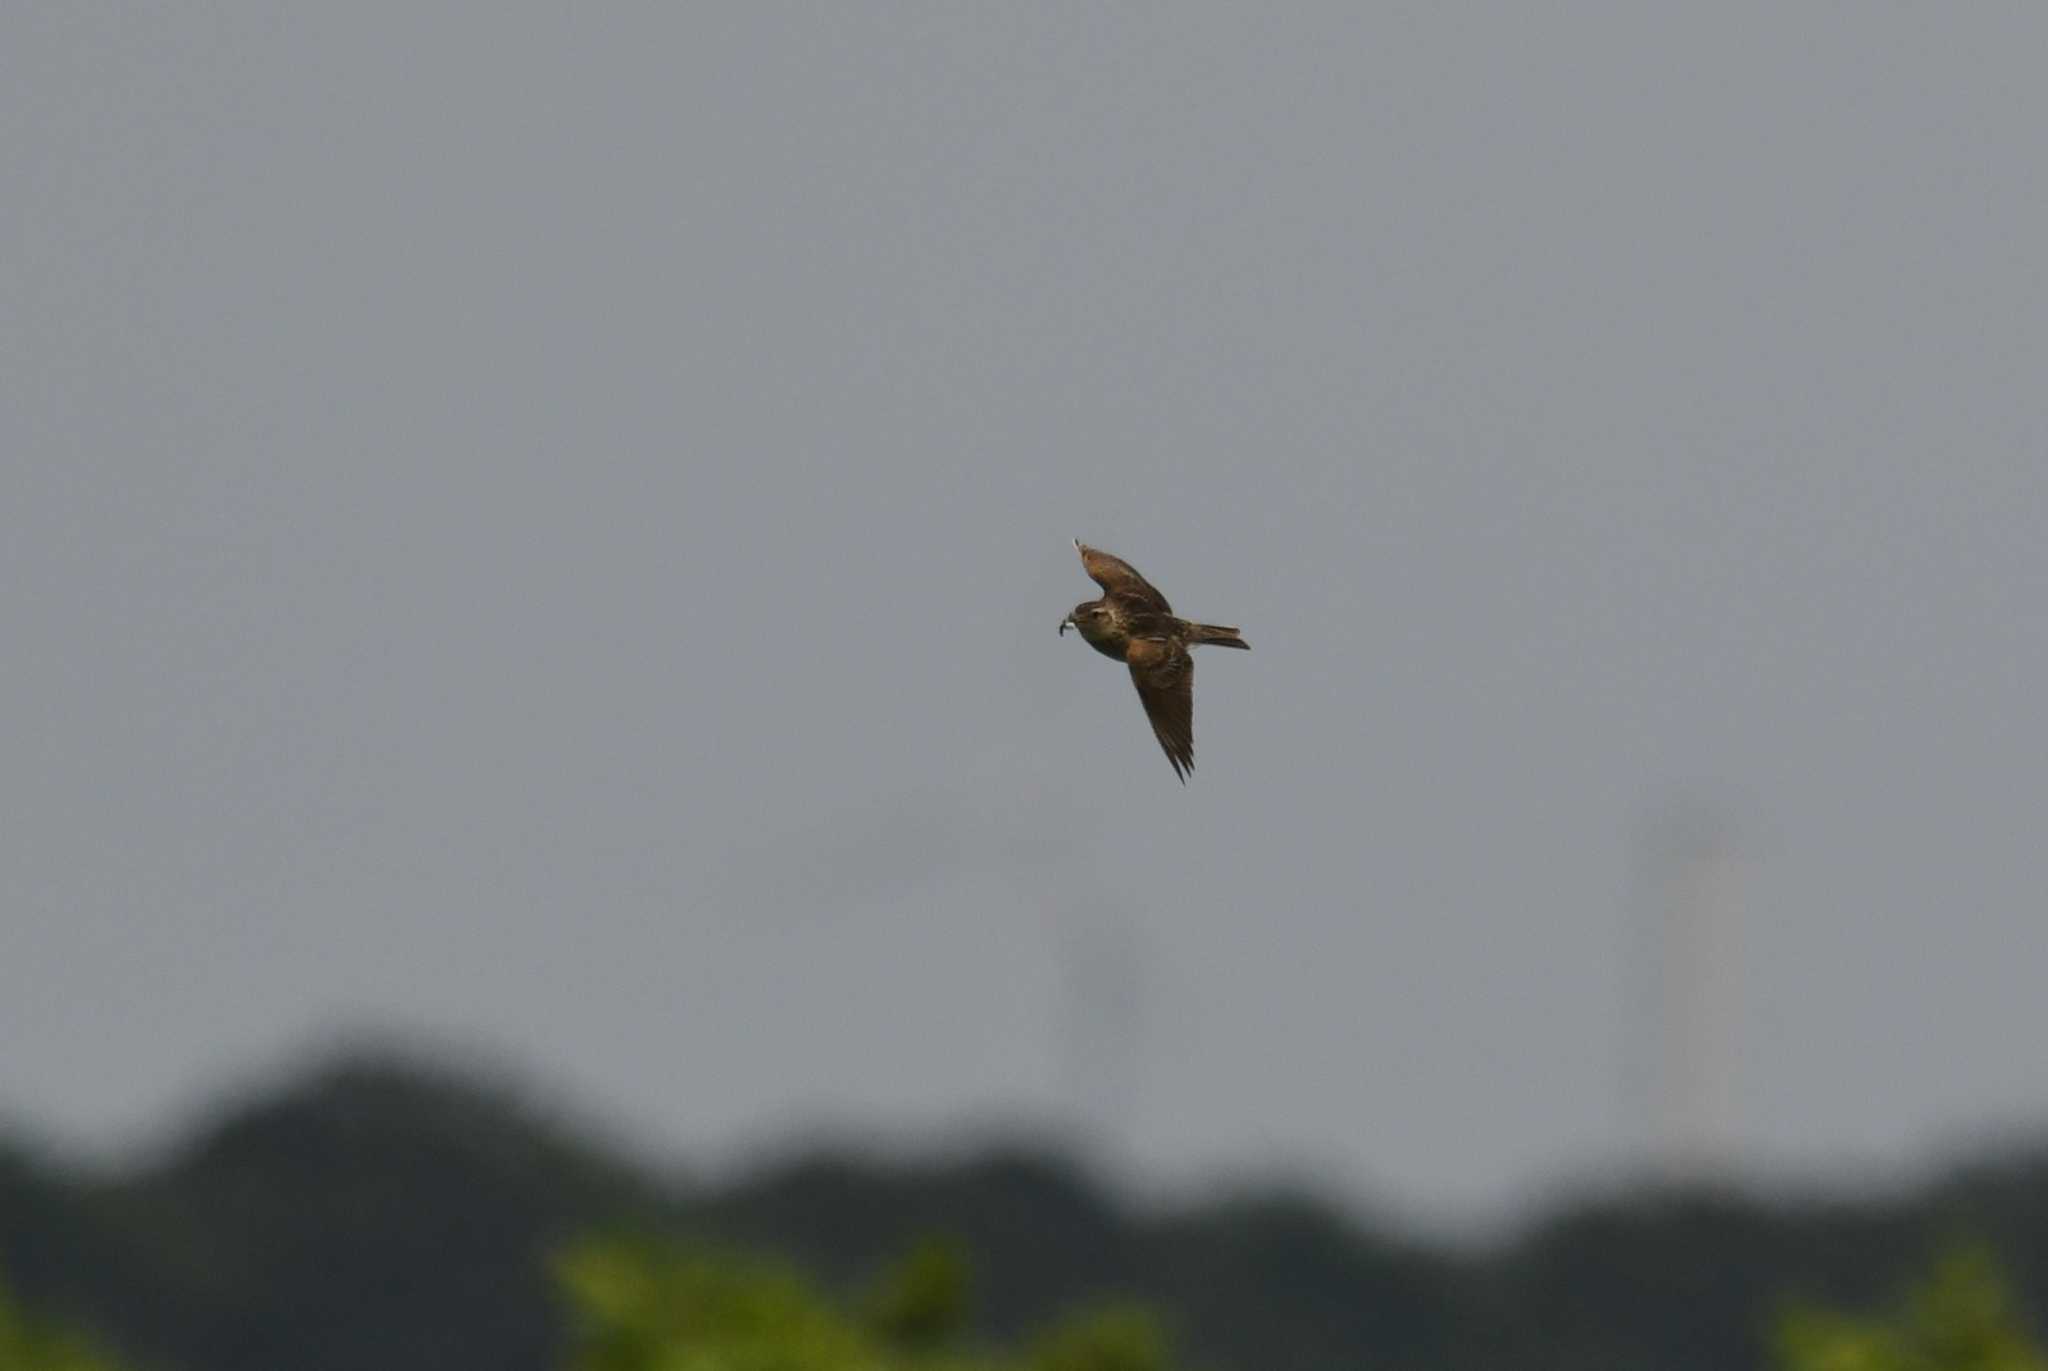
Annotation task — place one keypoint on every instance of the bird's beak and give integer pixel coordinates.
(1066, 624)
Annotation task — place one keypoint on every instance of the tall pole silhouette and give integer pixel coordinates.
(1688, 894)
(1100, 1019)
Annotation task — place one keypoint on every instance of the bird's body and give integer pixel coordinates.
(1133, 623)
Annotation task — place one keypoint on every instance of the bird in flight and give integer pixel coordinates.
(1133, 623)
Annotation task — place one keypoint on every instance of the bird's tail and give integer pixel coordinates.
(1218, 635)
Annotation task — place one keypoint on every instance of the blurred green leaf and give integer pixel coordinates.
(33, 1345)
(922, 1302)
(1116, 1338)
(1962, 1319)
(650, 1306)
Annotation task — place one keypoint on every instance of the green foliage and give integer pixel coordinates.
(653, 1306)
(30, 1345)
(922, 1301)
(377, 1215)
(1116, 1338)
(1962, 1319)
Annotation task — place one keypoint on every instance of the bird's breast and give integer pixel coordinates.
(1107, 638)
(1109, 644)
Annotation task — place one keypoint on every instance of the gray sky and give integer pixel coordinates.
(547, 530)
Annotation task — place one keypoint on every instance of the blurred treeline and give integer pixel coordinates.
(384, 1215)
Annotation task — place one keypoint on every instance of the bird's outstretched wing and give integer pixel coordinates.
(1118, 577)
(1165, 676)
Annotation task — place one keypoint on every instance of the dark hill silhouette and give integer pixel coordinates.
(381, 1213)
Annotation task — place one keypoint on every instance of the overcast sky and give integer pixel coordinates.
(544, 527)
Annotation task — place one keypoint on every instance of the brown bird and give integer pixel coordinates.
(1133, 623)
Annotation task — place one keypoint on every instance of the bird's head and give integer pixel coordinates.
(1092, 618)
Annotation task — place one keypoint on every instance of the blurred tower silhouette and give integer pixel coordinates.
(1687, 889)
(1100, 1018)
